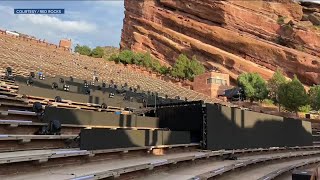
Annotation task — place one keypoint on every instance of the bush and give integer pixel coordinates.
(280, 20)
(147, 60)
(185, 68)
(114, 57)
(126, 57)
(97, 52)
(314, 95)
(180, 67)
(274, 83)
(164, 70)
(83, 50)
(138, 58)
(305, 109)
(268, 102)
(254, 86)
(155, 65)
(292, 95)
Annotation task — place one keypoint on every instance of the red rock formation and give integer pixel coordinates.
(234, 36)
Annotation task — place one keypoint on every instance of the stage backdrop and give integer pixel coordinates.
(233, 128)
(93, 139)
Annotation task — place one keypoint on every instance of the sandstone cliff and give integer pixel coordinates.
(233, 36)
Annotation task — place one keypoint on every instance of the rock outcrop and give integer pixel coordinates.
(233, 36)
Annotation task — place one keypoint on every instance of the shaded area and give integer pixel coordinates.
(81, 117)
(186, 116)
(92, 139)
(232, 128)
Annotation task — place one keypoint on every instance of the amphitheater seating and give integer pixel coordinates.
(24, 155)
(20, 163)
(24, 57)
(41, 152)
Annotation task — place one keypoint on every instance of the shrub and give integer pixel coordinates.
(280, 20)
(83, 50)
(268, 102)
(126, 57)
(186, 68)
(254, 86)
(314, 95)
(273, 86)
(97, 52)
(292, 95)
(305, 109)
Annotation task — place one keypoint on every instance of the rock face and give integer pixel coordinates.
(233, 36)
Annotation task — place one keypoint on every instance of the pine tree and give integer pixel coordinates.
(292, 95)
(273, 86)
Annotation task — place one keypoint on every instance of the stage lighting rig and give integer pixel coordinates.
(111, 95)
(85, 83)
(66, 87)
(42, 76)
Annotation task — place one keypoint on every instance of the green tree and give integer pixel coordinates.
(314, 95)
(83, 50)
(156, 65)
(115, 58)
(273, 86)
(292, 95)
(185, 68)
(194, 68)
(180, 67)
(147, 60)
(164, 70)
(97, 52)
(254, 86)
(126, 57)
(138, 58)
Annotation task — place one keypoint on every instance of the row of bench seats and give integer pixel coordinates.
(99, 93)
(24, 57)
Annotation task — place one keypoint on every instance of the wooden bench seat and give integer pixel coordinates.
(28, 138)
